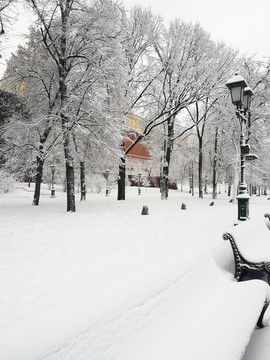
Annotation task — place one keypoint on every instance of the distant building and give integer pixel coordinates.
(139, 159)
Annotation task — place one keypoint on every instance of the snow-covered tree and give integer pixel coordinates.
(218, 62)
(3, 14)
(68, 72)
(140, 31)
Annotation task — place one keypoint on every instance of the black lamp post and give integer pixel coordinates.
(139, 182)
(240, 95)
(52, 185)
(107, 182)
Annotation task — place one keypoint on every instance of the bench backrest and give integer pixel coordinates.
(252, 239)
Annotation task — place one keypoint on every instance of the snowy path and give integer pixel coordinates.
(49, 258)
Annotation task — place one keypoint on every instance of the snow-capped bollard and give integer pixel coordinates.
(145, 210)
(184, 206)
(212, 203)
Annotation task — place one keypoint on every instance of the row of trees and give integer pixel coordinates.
(87, 65)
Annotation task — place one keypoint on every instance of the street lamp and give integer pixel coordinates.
(52, 185)
(240, 95)
(107, 181)
(236, 85)
(139, 182)
(248, 92)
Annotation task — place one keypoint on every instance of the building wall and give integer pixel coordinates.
(139, 158)
(140, 150)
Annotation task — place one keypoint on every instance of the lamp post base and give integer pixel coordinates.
(243, 207)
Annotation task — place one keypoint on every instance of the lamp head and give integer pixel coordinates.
(248, 92)
(236, 85)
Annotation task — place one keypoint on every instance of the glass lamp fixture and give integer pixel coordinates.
(236, 85)
(248, 92)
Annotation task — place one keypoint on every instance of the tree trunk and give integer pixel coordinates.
(215, 163)
(200, 166)
(168, 147)
(70, 178)
(164, 181)
(83, 184)
(38, 180)
(214, 193)
(122, 179)
(229, 189)
(62, 69)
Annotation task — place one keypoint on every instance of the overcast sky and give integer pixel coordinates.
(243, 24)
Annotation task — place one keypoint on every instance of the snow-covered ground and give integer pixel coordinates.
(52, 262)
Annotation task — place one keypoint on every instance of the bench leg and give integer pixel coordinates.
(260, 320)
(239, 274)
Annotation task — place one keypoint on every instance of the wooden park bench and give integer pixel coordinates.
(250, 242)
(184, 307)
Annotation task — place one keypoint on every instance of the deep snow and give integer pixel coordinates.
(52, 262)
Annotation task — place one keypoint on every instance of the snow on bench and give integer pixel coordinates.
(250, 242)
(182, 308)
(267, 216)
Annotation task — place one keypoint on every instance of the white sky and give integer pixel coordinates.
(243, 24)
(15, 33)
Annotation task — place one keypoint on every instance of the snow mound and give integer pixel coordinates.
(155, 313)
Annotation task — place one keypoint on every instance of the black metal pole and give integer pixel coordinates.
(243, 196)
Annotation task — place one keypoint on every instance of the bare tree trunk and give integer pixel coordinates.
(122, 179)
(168, 147)
(229, 189)
(83, 184)
(38, 180)
(70, 179)
(66, 126)
(215, 163)
(163, 172)
(200, 166)
(214, 193)
(164, 182)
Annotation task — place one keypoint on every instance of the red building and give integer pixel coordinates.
(139, 159)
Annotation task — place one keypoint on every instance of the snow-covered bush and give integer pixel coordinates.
(6, 181)
(96, 182)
